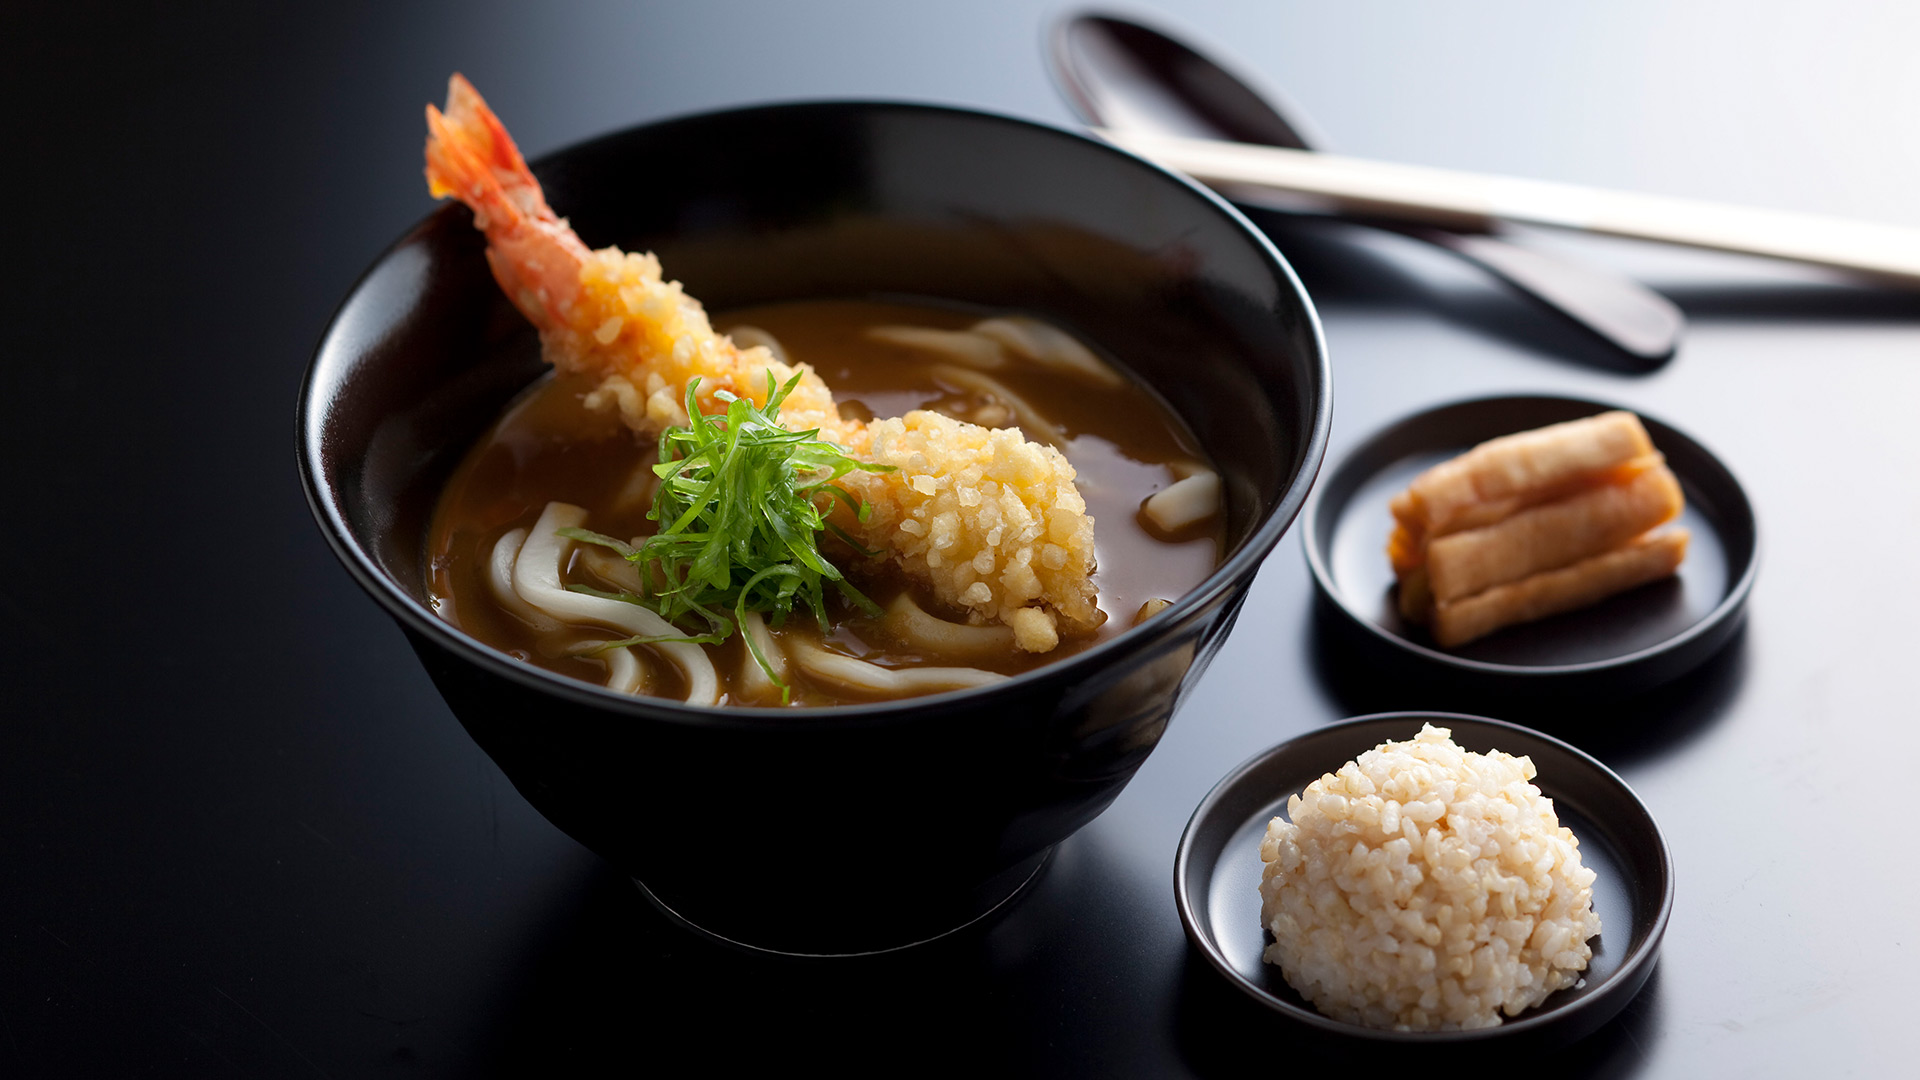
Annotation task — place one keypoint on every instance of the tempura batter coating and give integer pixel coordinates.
(646, 339)
(992, 521)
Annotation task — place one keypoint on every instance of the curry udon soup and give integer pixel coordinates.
(501, 571)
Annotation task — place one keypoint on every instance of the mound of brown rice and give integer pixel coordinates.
(1426, 888)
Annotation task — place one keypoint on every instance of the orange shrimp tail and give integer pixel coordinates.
(535, 256)
(471, 157)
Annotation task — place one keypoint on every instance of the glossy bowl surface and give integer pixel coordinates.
(865, 827)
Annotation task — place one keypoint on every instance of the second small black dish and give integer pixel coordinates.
(1629, 643)
(1217, 876)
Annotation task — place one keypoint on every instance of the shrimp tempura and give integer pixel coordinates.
(991, 522)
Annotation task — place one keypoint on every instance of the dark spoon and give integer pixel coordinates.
(1117, 73)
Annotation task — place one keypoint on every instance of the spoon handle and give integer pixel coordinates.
(1471, 200)
(1633, 317)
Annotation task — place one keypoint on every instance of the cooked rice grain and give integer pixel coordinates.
(1426, 888)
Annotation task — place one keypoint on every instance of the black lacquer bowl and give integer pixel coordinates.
(861, 828)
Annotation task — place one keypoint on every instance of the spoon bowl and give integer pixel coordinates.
(1120, 74)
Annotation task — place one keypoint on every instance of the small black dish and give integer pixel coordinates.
(1626, 644)
(1216, 876)
(857, 828)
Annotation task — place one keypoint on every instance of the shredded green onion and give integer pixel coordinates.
(740, 506)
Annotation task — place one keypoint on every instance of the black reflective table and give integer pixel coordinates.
(241, 836)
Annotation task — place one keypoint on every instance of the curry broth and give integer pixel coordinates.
(548, 446)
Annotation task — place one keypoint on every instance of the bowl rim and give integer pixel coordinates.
(416, 618)
(1730, 607)
(1621, 986)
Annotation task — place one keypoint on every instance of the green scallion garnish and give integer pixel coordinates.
(740, 506)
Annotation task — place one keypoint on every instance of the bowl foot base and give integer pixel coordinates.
(996, 894)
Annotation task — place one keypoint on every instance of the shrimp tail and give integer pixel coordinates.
(535, 255)
(470, 154)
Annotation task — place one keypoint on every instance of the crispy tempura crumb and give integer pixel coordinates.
(992, 521)
(646, 339)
